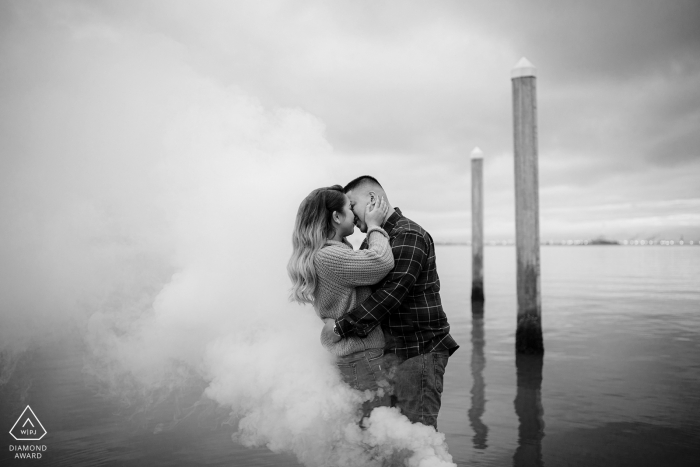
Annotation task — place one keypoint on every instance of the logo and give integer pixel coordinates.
(28, 427)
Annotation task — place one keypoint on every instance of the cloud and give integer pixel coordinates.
(400, 85)
(595, 40)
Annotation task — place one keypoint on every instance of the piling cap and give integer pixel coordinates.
(523, 68)
(477, 154)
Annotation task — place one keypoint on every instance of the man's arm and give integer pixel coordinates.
(410, 256)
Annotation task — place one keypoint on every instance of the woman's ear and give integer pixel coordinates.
(336, 217)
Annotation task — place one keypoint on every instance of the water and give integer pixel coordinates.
(619, 383)
(620, 379)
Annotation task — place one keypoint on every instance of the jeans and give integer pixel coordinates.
(418, 386)
(364, 370)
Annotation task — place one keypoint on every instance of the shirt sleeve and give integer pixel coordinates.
(410, 256)
(362, 267)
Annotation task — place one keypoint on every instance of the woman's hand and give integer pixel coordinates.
(375, 215)
(327, 334)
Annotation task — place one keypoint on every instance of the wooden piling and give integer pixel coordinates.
(477, 158)
(528, 336)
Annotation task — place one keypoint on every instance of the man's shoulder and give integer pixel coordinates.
(407, 226)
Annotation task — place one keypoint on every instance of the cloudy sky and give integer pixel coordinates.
(403, 90)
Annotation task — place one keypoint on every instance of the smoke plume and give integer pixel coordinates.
(151, 208)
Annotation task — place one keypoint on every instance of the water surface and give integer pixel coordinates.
(619, 383)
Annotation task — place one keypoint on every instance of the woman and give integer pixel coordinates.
(327, 272)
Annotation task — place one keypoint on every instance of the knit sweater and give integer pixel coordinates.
(343, 279)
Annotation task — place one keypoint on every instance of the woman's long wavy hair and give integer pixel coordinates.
(313, 226)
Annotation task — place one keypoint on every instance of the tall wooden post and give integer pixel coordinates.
(528, 336)
(477, 225)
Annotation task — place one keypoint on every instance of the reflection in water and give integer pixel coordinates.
(478, 364)
(528, 408)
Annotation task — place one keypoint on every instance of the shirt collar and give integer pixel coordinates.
(390, 223)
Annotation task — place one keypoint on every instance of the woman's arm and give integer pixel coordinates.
(362, 267)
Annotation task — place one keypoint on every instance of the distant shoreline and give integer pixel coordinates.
(596, 242)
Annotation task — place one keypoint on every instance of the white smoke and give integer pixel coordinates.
(152, 208)
(295, 401)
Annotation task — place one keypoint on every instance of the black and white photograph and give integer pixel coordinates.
(350, 233)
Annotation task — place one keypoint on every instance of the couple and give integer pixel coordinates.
(381, 306)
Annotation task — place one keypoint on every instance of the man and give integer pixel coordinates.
(407, 305)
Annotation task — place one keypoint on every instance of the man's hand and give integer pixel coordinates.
(327, 332)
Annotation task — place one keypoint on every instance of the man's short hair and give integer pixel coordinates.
(359, 181)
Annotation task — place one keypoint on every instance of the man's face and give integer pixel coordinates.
(358, 203)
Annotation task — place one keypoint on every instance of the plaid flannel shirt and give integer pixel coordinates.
(407, 301)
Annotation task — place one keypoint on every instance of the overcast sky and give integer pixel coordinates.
(403, 90)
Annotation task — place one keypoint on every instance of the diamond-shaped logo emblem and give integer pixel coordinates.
(28, 427)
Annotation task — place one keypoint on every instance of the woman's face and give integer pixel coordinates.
(347, 219)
